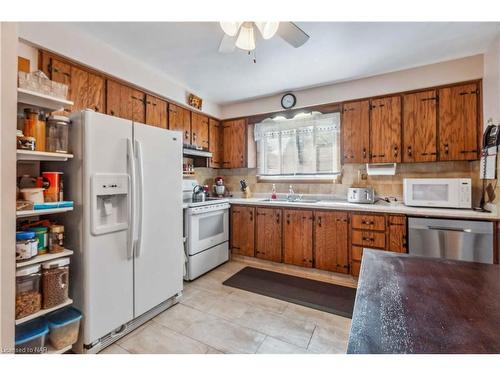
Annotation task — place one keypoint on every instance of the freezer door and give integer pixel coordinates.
(159, 256)
(108, 264)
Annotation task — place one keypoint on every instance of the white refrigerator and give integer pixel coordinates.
(126, 229)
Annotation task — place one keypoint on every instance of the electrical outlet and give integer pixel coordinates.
(362, 175)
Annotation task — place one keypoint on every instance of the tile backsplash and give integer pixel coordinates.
(384, 186)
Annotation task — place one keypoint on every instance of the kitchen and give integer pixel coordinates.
(349, 210)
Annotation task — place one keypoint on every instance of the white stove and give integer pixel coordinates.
(206, 228)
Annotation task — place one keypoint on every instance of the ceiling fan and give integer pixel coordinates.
(242, 34)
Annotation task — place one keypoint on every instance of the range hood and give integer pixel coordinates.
(192, 152)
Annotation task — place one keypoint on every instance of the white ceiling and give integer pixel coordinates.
(187, 52)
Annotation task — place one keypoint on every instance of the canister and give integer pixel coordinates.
(26, 245)
(53, 193)
(42, 236)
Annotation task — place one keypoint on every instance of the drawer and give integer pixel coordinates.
(355, 267)
(368, 239)
(370, 222)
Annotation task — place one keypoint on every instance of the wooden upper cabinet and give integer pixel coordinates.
(298, 237)
(156, 112)
(385, 130)
(234, 137)
(199, 130)
(59, 71)
(458, 122)
(95, 93)
(180, 119)
(331, 233)
(243, 230)
(138, 105)
(356, 132)
(420, 126)
(215, 143)
(268, 234)
(113, 98)
(397, 240)
(78, 88)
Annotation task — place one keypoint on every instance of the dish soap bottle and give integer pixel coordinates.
(273, 192)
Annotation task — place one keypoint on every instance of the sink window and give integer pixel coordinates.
(305, 147)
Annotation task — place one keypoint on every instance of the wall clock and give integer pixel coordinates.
(288, 101)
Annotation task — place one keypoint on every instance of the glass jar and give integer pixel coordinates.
(28, 296)
(25, 143)
(57, 134)
(26, 246)
(56, 238)
(55, 282)
(40, 132)
(30, 121)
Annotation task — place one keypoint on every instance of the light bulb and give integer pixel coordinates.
(267, 29)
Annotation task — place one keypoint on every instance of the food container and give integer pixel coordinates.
(28, 296)
(53, 193)
(42, 233)
(30, 120)
(25, 143)
(64, 326)
(26, 246)
(34, 126)
(57, 134)
(35, 195)
(31, 337)
(55, 279)
(56, 238)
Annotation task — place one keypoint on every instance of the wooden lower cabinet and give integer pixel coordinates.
(243, 230)
(298, 237)
(331, 235)
(268, 234)
(397, 234)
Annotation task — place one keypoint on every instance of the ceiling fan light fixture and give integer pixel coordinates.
(230, 28)
(246, 38)
(267, 29)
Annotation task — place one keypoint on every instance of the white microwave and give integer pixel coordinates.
(438, 192)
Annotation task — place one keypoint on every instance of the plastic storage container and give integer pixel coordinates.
(57, 134)
(28, 296)
(64, 326)
(55, 280)
(31, 337)
(26, 246)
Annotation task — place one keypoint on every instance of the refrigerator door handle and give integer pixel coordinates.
(140, 172)
(131, 211)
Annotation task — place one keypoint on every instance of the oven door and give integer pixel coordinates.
(207, 227)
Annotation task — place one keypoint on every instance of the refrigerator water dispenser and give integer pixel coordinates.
(110, 203)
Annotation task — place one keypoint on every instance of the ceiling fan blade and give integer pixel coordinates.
(292, 34)
(227, 44)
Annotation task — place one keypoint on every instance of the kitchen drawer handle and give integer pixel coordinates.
(431, 98)
(367, 222)
(466, 230)
(468, 151)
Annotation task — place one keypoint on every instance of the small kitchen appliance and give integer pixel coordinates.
(361, 195)
(438, 192)
(219, 188)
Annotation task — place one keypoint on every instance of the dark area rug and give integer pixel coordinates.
(318, 295)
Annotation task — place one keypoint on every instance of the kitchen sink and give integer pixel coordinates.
(290, 201)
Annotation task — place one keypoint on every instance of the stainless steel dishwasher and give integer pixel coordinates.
(452, 239)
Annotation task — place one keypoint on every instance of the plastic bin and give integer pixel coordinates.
(55, 279)
(64, 326)
(31, 336)
(28, 295)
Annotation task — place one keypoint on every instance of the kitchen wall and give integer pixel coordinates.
(391, 186)
(464, 69)
(491, 82)
(94, 53)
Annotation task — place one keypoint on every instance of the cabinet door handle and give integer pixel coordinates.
(364, 153)
(251, 215)
(186, 134)
(409, 151)
(396, 151)
(319, 221)
(278, 218)
(446, 148)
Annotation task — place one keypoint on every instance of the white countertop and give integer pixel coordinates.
(382, 207)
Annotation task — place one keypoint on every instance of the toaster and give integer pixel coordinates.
(361, 195)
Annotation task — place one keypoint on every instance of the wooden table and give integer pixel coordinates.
(408, 304)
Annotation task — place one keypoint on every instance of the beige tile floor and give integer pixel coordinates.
(214, 318)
